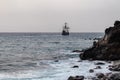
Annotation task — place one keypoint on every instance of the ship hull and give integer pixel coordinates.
(64, 33)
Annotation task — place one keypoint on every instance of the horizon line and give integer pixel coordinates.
(50, 32)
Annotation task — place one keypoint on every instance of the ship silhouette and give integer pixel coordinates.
(65, 30)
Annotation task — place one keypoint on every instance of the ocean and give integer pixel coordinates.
(44, 56)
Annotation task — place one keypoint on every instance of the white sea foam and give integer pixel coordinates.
(59, 70)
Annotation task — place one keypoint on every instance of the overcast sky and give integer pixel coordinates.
(50, 15)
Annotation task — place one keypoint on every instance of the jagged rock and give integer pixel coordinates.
(115, 76)
(100, 75)
(76, 78)
(116, 23)
(115, 67)
(107, 48)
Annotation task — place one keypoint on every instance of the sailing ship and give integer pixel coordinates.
(65, 30)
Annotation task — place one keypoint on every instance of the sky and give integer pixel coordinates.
(50, 15)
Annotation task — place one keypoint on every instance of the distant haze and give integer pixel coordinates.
(50, 15)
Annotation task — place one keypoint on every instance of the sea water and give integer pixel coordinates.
(44, 56)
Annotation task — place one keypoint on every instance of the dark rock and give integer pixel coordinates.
(96, 38)
(91, 70)
(78, 51)
(75, 66)
(108, 30)
(100, 75)
(56, 60)
(71, 78)
(94, 78)
(115, 76)
(109, 62)
(108, 74)
(90, 59)
(110, 66)
(117, 23)
(115, 37)
(98, 67)
(76, 78)
(99, 63)
(107, 48)
(115, 67)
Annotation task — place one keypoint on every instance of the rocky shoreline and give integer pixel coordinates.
(105, 49)
(99, 76)
(113, 75)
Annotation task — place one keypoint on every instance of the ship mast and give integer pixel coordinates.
(65, 25)
(66, 28)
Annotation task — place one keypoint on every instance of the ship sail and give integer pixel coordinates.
(65, 30)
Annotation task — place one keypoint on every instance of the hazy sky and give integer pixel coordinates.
(50, 15)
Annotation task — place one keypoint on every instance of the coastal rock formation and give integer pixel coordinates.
(98, 76)
(115, 67)
(107, 48)
(107, 76)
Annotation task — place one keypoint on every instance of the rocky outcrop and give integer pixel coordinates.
(114, 67)
(98, 76)
(107, 76)
(107, 48)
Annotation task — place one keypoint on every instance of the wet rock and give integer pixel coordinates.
(110, 66)
(91, 70)
(98, 67)
(71, 78)
(114, 67)
(115, 76)
(75, 66)
(99, 63)
(107, 76)
(100, 75)
(76, 78)
(78, 51)
(96, 38)
(94, 78)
